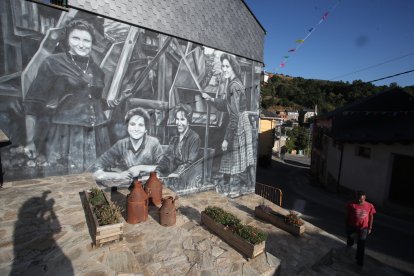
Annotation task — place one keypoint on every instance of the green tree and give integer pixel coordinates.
(298, 138)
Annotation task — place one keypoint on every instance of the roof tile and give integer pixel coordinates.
(227, 25)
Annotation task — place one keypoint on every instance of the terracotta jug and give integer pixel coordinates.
(168, 212)
(153, 187)
(137, 204)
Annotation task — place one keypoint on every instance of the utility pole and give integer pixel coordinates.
(309, 136)
(280, 139)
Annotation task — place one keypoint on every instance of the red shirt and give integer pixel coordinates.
(358, 215)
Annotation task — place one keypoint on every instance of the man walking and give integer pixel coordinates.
(359, 219)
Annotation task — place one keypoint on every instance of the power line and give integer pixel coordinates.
(406, 72)
(373, 66)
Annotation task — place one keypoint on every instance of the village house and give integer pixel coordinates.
(292, 115)
(306, 113)
(368, 145)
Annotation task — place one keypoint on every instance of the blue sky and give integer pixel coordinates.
(356, 34)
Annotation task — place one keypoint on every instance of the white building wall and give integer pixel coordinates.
(373, 175)
(332, 166)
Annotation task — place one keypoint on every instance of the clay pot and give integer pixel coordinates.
(153, 187)
(168, 212)
(137, 204)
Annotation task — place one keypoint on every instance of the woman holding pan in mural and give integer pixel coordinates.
(132, 156)
(68, 90)
(237, 144)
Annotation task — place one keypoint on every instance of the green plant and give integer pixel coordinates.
(108, 214)
(251, 234)
(96, 197)
(105, 212)
(247, 232)
(222, 217)
(293, 218)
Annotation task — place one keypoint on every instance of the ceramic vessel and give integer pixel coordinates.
(153, 187)
(168, 212)
(137, 204)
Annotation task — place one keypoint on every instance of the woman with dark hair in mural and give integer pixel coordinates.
(68, 90)
(183, 148)
(132, 156)
(237, 144)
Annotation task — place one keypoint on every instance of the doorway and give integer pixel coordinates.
(402, 186)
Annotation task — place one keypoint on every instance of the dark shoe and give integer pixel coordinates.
(360, 263)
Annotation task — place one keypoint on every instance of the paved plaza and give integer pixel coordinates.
(44, 231)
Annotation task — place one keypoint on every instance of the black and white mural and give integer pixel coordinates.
(82, 93)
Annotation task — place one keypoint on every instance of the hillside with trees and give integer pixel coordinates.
(284, 92)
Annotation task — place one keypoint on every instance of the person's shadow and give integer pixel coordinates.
(35, 250)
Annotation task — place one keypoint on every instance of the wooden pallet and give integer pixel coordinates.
(102, 234)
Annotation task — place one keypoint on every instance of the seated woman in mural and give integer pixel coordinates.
(133, 156)
(68, 91)
(237, 144)
(183, 148)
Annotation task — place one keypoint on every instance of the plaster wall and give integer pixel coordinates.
(63, 102)
(371, 174)
(334, 159)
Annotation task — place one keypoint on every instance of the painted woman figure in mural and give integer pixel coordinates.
(182, 149)
(68, 90)
(237, 144)
(133, 156)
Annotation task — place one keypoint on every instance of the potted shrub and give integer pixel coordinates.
(104, 216)
(245, 238)
(291, 222)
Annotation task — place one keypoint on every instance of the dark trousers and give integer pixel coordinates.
(361, 236)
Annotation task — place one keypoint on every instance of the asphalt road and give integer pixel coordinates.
(386, 243)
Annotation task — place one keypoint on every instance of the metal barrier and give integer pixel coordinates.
(270, 193)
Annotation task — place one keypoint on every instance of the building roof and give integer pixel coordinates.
(385, 117)
(269, 114)
(227, 25)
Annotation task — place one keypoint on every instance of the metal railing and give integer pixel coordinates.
(270, 193)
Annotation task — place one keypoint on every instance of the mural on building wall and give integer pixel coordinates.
(81, 93)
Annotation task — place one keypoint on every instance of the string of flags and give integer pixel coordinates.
(299, 42)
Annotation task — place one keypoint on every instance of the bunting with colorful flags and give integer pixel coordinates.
(299, 42)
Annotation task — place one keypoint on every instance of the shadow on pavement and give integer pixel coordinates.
(35, 249)
(191, 213)
(291, 162)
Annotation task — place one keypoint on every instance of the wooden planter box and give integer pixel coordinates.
(278, 220)
(243, 246)
(102, 234)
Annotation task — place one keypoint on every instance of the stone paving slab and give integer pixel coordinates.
(43, 231)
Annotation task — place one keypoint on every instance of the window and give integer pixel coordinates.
(363, 152)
